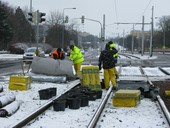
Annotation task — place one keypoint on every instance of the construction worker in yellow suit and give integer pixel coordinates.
(77, 58)
(107, 61)
(112, 47)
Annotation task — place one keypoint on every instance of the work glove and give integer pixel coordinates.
(71, 59)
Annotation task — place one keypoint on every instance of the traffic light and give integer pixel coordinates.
(40, 15)
(82, 19)
(66, 19)
(33, 17)
(30, 18)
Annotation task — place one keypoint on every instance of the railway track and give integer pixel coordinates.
(41, 109)
(96, 116)
(93, 121)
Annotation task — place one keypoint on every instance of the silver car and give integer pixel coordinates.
(31, 52)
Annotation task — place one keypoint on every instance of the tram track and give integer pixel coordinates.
(41, 109)
(92, 123)
(95, 118)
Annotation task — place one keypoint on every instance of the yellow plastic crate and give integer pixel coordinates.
(127, 93)
(125, 102)
(126, 98)
(85, 79)
(20, 79)
(91, 77)
(19, 86)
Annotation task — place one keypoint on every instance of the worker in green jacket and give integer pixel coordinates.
(77, 58)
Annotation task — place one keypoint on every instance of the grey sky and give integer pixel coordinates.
(129, 11)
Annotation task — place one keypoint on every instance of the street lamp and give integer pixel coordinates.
(64, 27)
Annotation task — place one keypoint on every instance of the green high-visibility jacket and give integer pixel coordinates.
(113, 46)
(76, 55)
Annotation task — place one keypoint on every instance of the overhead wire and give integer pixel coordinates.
(144, 10)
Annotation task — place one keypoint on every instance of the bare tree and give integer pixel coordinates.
(55, 18)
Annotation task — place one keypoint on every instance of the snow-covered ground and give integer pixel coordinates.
(146, 115)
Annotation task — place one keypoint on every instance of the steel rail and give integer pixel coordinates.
(164, 108)
(100, 109)
(160, 102)
(41, 109)
(129, 56)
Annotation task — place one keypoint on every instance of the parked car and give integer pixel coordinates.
(31, 52)
(17, 48)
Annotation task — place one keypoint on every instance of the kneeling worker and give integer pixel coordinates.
(58, 54)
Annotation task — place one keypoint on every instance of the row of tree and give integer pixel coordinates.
(15, 28)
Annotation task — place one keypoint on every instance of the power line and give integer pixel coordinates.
(145, 10)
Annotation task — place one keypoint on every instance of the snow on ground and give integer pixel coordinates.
(130, 71)
(114, 116)
(146, 115)
(167, 69)
(10, 56)
(153, 71)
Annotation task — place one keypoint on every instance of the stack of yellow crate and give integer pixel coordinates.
(20, 82)
(126, 98)
(90, 77)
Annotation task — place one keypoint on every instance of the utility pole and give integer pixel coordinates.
(132, 40)
(133, 28)
(103, 26)
(103, 34)
(123, 40)
(142, 36)
(118, 42)
(30, 6)
(151, 37)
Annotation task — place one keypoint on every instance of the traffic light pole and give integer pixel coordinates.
(37, 32)
(100, 26)
(63, 27)
(36, 18)
(98, 22)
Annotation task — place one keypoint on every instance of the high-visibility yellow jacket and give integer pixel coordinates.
(76, 55)
(113, 46)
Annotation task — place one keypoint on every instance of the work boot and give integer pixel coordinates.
(107, 89)
(114, 88)
(117, 76)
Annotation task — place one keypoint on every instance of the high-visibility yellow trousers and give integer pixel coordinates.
(77, 67)
(116, 73)
(109, 75)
